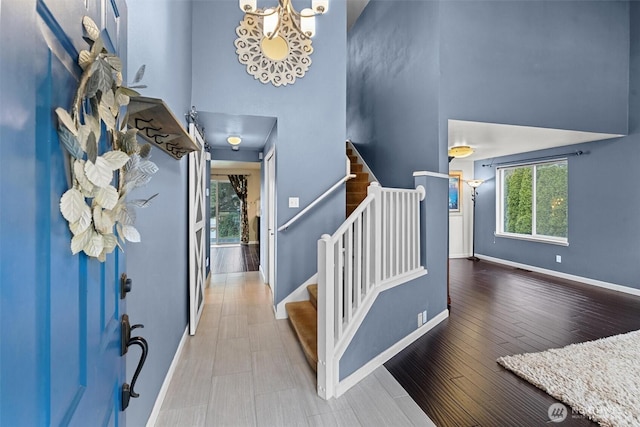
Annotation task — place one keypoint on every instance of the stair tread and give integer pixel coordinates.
(313, 295)
(356, 167)
(361, 176)
(304, 319)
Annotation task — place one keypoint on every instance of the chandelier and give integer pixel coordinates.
(304, 21)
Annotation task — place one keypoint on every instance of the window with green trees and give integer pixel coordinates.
(532, 200)
(225, 213)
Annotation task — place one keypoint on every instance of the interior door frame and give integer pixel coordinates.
(270, 187)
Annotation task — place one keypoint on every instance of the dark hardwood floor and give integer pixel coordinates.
(234, 259)
(451, 372)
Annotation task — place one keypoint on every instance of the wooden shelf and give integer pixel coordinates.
(158, 125)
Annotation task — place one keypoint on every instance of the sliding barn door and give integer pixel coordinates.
(198, 175)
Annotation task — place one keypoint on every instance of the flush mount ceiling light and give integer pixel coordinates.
(234, 140)
(460, 151)
(304, 21)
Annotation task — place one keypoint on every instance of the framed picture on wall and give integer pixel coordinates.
(455, 178)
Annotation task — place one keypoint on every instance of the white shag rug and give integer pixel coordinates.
(599, 379)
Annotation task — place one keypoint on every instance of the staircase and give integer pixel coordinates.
(375, 249)
(356, 187)
(303, 315)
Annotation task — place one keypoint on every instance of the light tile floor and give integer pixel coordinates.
(245, 368)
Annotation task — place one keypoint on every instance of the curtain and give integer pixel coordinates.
(239, 184)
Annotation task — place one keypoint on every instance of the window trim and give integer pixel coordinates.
(562, 241)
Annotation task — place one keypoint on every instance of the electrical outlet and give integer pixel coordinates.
(424, 317)
(558, 258)
(419, 319)
(294, 202)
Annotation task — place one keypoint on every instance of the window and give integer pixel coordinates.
(532, 201)
(225, 213)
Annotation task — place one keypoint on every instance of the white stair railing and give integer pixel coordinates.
(376, 248)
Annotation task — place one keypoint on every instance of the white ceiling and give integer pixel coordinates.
(254, 130)
(491, 140)
(227, 164)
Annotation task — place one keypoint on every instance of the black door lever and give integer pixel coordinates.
(127, 340)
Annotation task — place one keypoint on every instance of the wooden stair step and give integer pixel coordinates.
(349, 151)
(356, 196)
(356, 167)
(353, 158)
(313, 295)
(357, 186)
(351, 207)
(361, 176)
(304, 319)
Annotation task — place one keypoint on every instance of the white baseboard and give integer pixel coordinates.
(585, 280)
(254, 242)
(300, 294)
(151, 422)
(459, 255)
(353, 379)
(262, 276)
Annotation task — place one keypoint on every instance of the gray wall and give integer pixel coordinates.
(560, 64)
(311, 124)
(160, 37)
(414, 65)
(604, 239)
(394, 122)
(392, 100)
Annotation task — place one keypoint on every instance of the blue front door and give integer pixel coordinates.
(59, 313)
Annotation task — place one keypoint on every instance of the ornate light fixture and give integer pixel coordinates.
(304, 21)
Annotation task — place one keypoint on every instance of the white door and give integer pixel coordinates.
(197, 228)
(271, 219)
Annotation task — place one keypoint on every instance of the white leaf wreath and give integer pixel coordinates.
(93, 206)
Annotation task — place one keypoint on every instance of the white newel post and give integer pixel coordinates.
(326, 318)
(375, 190)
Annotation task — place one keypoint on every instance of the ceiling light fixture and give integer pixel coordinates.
(304, 21)
(234, 140)
(460, 151)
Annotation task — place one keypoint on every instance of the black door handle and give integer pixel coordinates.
(127, 340)
(127, 390)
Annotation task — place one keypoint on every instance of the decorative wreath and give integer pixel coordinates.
(261, 67)
(93, 206)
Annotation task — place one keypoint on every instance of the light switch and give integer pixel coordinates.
(294, 202)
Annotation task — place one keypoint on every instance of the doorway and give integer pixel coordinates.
(229, 253)
(225, 213)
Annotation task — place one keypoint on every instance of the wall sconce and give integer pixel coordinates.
(474, 184)
(304, 21)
